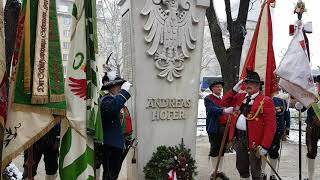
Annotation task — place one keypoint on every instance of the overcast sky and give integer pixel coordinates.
(282, 17)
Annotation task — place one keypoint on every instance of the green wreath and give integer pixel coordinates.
(167, 158)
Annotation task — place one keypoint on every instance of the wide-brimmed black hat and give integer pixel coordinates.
(215, 82)
(108, 81)
(253, 77)
(111, 77)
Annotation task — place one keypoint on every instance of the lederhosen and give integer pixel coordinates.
(215, 140)
(312, 134)
(246, 161)
(48, 146)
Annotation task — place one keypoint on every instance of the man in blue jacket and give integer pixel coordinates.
(282, 115)
(114, 141)
(215, 124)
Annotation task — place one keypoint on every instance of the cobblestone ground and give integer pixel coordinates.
(289, 167)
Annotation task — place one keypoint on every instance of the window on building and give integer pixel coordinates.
(66, 33)
(67, 20)
(65, 45)
(65, 57)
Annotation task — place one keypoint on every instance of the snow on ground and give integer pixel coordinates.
(201, 123)
(12, 172)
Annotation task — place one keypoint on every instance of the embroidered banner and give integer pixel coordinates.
(40, 72)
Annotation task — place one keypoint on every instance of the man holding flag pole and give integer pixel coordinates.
(253, 123)
(296, 78)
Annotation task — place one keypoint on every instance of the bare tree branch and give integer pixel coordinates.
(216, 34)
(229, 59)
(109, 29)
(243, 11)
(252, 2)
(228, 13)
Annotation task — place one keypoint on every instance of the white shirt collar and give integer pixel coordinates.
(217, 96)
(253, 95)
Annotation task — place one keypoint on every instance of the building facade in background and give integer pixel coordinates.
(64, 10)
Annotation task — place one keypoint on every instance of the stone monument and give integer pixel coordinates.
(162, 50)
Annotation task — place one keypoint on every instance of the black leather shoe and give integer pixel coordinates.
(273, 177)
(220, 175)
(223, 176)
(264, 176)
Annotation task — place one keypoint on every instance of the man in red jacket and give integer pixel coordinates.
(253, 125)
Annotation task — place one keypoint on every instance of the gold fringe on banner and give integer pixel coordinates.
(39, 99)
(57, 98)
(37, 109)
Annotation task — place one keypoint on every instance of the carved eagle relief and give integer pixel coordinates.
(170, 24)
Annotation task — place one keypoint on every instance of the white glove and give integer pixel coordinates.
(126, 86)
(237, 87)
(262, 151)
(228, 110)
(298, 106)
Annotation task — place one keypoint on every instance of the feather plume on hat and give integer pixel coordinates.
(111, 77)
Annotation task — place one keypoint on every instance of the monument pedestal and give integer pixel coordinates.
(162, 50)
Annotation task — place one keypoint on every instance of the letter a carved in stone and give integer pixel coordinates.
(169, 26)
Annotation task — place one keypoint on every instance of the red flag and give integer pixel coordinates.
(260, 57)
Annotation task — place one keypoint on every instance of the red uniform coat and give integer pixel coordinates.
(262, 127)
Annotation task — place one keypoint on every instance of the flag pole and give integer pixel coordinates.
(300, 144)
(223, 142)
(271, 167)
(300, 11)
(279, 156)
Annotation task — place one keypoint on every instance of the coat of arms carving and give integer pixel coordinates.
(170, 33)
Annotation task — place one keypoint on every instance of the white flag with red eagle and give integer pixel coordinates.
(83, 120)
(260, 57)
(295, 71)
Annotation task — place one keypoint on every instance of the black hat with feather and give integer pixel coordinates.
(111, 77)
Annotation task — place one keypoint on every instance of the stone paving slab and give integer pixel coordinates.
(288, 170)
(289, 167)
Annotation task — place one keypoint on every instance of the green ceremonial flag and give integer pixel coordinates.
(83, 121)
(22, 99)
(36, 83)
